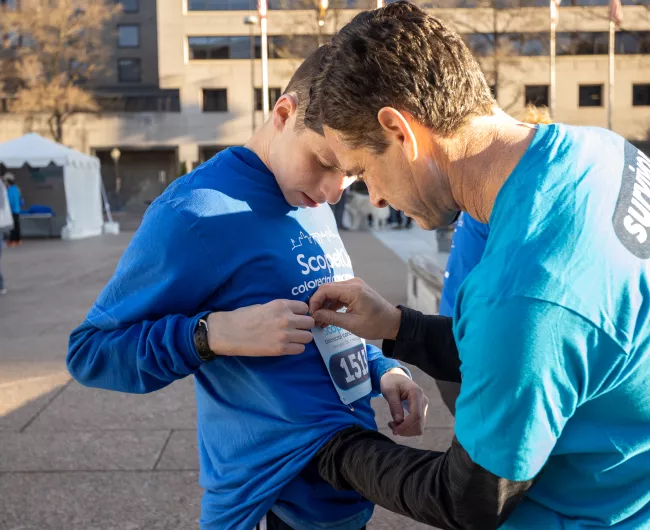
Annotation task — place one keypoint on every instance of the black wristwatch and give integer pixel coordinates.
(201, 342)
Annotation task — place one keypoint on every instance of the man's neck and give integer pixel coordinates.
(479, 164)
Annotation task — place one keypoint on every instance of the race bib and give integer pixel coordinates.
(344, 355)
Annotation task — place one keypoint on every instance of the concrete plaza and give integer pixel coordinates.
(77, 458)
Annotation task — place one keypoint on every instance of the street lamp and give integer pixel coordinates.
(322, 13)
(115, 155)
(251, 21)
(262, 10)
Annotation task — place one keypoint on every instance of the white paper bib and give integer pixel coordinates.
(344, 355)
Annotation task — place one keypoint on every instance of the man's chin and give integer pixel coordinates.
(433, 224)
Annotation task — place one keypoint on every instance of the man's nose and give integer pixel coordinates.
(377, 201)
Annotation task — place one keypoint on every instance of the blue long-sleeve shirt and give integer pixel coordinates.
(15, 198)
(222, 238)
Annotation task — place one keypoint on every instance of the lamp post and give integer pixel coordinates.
(262, 10)
(322, 14)
(251, 21)
(115, 155)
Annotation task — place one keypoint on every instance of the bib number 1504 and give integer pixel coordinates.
(349, 368)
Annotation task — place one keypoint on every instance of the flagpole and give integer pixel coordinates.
(262, 11)
(380, 4)
(554, 17)
(610, 88)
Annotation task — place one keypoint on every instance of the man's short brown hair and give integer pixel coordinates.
(300, 84)
(401, 57)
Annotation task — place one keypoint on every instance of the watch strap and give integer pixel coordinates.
(201, 341)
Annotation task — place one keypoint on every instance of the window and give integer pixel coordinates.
(590, 96)
(274, 94)
(221, 5)
(162, 101)
(582, 43)
(292, 47)
(209, 48)
(130, 6)
(215, 100)
(641, 95)
(537, 95)
(633, 42)
(129, 70)
(525, 44)
(494, 90)
(128, 36)
(481, 44)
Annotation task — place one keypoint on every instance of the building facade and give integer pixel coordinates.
(182, 84)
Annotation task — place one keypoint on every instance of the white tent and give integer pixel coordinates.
(81, 180)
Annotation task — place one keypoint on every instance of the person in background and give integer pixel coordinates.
(467, 247)
(16, 203)
(6, 224)
(339, 208)
(398, 220)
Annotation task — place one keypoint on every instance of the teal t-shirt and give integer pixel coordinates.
(553, 332)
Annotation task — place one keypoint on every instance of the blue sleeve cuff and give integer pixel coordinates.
(188, 350)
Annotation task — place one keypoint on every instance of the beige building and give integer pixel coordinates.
(182, 80)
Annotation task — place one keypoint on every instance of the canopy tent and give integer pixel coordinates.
(78, 193)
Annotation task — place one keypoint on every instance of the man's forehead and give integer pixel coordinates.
(350, 160)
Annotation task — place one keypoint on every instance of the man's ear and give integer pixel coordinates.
(398, 130)
(284, 108)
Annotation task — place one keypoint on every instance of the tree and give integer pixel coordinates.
(54, 49)
(488, 30)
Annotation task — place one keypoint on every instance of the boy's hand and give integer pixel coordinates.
(397, 387)
(281, 327)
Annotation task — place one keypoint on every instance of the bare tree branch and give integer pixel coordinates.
(55, 49)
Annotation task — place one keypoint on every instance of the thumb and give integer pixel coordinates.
(327, 317)
(392, 396)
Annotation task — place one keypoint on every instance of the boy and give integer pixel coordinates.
(215, 284)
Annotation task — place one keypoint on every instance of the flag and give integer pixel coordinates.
(616, 12)
(555, 11)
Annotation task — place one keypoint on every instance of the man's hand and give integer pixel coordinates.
(397, 387)
(367, 314)
(281, 327)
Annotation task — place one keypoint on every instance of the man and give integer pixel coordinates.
(550, 330)
(215, 284)
(16, 204)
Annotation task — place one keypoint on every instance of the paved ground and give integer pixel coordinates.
(76, 458)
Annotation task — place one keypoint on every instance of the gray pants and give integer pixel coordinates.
(2, 280)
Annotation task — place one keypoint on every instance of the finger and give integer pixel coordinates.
(303, 322)
(415, 422)
(391, 395)
(327, 317)
(295, 349)
(335, 305)
(297, 307)
(332, 292)
(300, 337)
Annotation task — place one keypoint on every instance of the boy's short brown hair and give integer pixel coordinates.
(300, 84)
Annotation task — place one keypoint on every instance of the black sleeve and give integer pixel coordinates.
(446, 490)
(426, 341)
